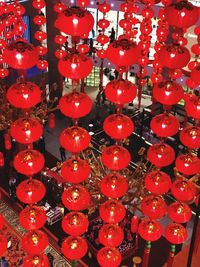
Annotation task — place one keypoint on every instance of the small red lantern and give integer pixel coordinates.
(76, 198)
(75, 170)
(109, 256)
(112, 211)
(111, 235)
(183, 190)
(32, 217)
(38, 4)
(179, 212)
(39, 20)
(3, 73)
(118, 126)
(83, 48)
(116, 157)
(157, 182)
(175, 233)
(101, 53)
(59, 7)
(60, 53)
(1, 160)
(75, 105)
(192, 106)
(74, 247)
(75, 223)
(190, 137)
(42, 64)
(75, 139)
(36, 261)
(188, 164)
(150, 230)
(83, 3)
(154, 207)
(42, 50)
(103, 23)
(34, 242)
(60, 39)
(104, 7)
(102, 39)
(134, 224)
(195, 74)
(4, 245)
(30, 191)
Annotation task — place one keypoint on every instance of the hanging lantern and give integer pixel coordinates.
(75, 66)
(161, 155)
(59, 7)
(30, 191)
(134, 224)
(20, 55)
(7, 141)
(118, 126)
(76, 198)
(103, 23)
(3, 73)
(34, 242)
(36, 261)
(109, 256)
(24, 95)
(42, 64)
(190, 137)
(179, 212)
(75, 223)
(120, 92)
(26, 130)
(192, 106)
(4, 244)
(83, 3)
(38, 4)
(104, 7)
(165, 125)
(157, 182)
(112, 211)
(52, 120)
(102, 39)
(150, 230)
(101, 53)
(83, 48)
(1, 160)
(32, 217)
(183, 190)
(114, 185)
(60, 53)
(75, 105)
(195, 74)
(111, 235)
(175, 233)
(75, 139)
(75, 21)
(153, 206)
(188, 164)
(29, 162)
(74, 247)
(75, 170)
(2, 221)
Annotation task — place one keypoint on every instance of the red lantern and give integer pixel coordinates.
(76, 198)
(161, 155)
(165, 125)
(75, 66)
(101, 53)
(116, 157)
(75, 21)
(3, 73)
(150, 230)
(29, 162)
(175, 233)
(83, 3)
(154, 207)
(24, 95)
(26, 130)
(60, 53)
(179, 212)
(102, 39)
(32, 217)
(120, 92)
(75, 223)
(112, 211)
(192, 106)
(83, 48)
(38, 4)
(195, 74)
(118, 126)
(103, 23)
(111, 235)
(34, 242)
(134, 224)
(75, 170)
(36, 261)
(157, 182)
(2, 221)
(190, 137)
(39, 20)
(52, 121)
(20, 55)
(7, 141)
(183, 190)
(60, 39)
(109, 256)
(104, 7)
(42, 50)
(4, 244)
(188, 164)
(40, 36)
(75, 105)
(59, 7)
(30, 191)
(114, 185)
(1, 159)
(42, 64)
(74, 247)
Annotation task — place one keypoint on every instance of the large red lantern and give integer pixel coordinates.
(118, 126)
(36, 261)
(190, 136)
(161, 154)
(112, 211)
(76, 198)
(30, 191)
(114, 185)
(75, 21)
(157, 182)
(29, 162)
(32, 217)
(165, 125)
(179, 212)
(192, 106)
(75, 170)
(75, 139)
(188, 164)
(34, 242)
(24, 95)
(74, 247)
(116, 157)
(75, 66)
(4, 245)
(111, 235)
(75, 105)
(20, 55)
(75, 223)
(183, 190)
(153, 206)
(195, 73)
(150, 230)
(175, 233)
(26, 130)
(109, 256)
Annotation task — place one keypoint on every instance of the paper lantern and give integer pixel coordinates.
(188, 164)
(74, 247)
(150, 230)
(101, 53)
(153, 206)
(183, 190)
(103, 23)
(157, 182)
(34, 242)
(111, 235)
(109, 256)
(190, 137)
(83, 48)
(192, 106)
(4, 244)
(75, 223)
(175, 233)
(104, 7)
(36, 261)
(179, 212)
(83, 3)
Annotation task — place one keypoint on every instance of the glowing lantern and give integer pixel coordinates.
(34, 242)
(150, 230)
(75, 223)
(74, 247)
(109, 256)
(154, 207)
(192, 106)
(175, 233)
(183, 190)
(111, 235)
(112, 211)
(36, 261)
(188, 164)
(190, 137)
(157, 182)
(179, 212)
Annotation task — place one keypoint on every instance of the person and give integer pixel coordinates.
(51, 259)
(112, 35)
(12, 187)
(4, 262)
(62, 153)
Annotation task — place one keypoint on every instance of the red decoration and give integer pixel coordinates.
(4, 244)
(150, 230)
(60, 53)
(183, 190)
(190, 137)
(188, 164)
(36, 261)
(83, 3)
(102, 39)
(40, 36)
(153, 206)
(42, 64)
(38, 4)
(3, 73)
(109, 256)
(60, 39)
(2, 221)
(157, 182)
(175, 233)
(192, 106)
(101, 53)
(59, 7)
(104, 7)
(83, 48)
(195, 74)
(52, 120)
(112, 211)
(7, 141)
(179, 212)
(111, 235)
(103, 23)
(34, 242)
(75, 223)
(75, 105)
(74, 247)
(75, 139)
